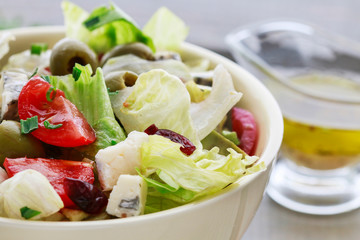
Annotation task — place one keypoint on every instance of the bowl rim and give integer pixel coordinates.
(268, 154)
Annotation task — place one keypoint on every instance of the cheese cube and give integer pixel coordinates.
(121, 158)
(128, 197)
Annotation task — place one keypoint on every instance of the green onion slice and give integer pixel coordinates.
(46, 78)
(50, 97)
(29, 125)
(28, 213)
(38, 48)
(76, 73)
(48, 125)
(34, 73)
(112, 93)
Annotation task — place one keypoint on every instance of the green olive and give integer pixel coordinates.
(136, 48)
(215, 139)
(67, 52)
(119, 80)
(14, 144)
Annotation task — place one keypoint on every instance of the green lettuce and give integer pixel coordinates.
(175, 179)
(166, 29)
(90, 95)
(104, 28)
(156, 98)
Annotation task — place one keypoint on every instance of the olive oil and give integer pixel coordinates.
(318, 147)
(334, 140)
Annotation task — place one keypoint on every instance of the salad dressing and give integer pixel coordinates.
(322, 145)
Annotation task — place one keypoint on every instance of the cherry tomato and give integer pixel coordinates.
(71, 128)
(243, 123)
(54, 170)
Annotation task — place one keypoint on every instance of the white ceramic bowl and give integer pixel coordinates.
(224, 216)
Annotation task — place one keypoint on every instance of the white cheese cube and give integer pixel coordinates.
(128, 197)
(121, 158)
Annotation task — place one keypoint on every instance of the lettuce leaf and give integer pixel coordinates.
(90, 95)
(156, 98)
(104, 28)
(207, 114)
(166, 29)
(31, 189)
(175, 179)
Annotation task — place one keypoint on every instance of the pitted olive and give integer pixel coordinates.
(119, 80)
(67, 52)
(136, 48)
(14, 144)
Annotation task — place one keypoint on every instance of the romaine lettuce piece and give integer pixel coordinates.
(166, 29)
(90, 96)
(156, 98)
(103, 29)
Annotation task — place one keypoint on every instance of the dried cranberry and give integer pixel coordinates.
(187, 146)
(86, 196)
(151, 130)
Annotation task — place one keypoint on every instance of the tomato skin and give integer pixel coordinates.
(75, 130)
(243, 123)
(54, 170)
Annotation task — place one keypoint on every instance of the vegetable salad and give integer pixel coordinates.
(112, 123)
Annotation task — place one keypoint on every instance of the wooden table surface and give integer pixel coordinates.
(209, 22)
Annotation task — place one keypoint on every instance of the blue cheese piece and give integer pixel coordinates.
(121, 158)
(128, 197)
(11, 84)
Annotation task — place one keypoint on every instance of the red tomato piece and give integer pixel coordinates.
(35, 100)
(54, 170)
(243, 123)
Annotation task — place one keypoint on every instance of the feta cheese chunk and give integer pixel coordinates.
(128, 197)
(30, 189)
(121, 158)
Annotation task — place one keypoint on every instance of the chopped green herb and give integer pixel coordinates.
(34, 73)
(50, 97)
(48, 125)
(28, 213)
(113, 142)
(46, 78)
(38, 48)
(76, 73)
(112, 93)
(29, 125)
